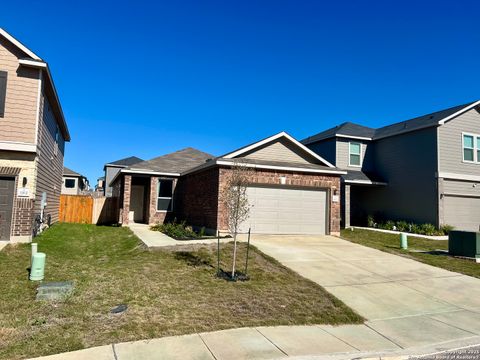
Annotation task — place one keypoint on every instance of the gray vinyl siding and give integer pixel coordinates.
(408, 163)
(342, 154)
(110, 173)
(450, 143)
(465, 188)
(49, 165)
(282, 151)
(327, 149)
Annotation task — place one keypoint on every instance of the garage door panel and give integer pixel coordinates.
(462, 212)
(286, 211)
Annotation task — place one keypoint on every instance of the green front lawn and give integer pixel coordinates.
(168, 292)
(391, 243)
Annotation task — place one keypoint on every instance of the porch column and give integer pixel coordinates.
(127, 187)
(347, 206)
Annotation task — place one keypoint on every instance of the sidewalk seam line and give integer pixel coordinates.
(271, 342)
(204, 343)
(114, 352)
(455, 327)
(335, 336)
(386, 337)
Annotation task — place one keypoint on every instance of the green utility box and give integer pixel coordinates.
(38, 267)
(464, 243)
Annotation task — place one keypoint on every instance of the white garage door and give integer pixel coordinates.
(462, 212)
(287, 211)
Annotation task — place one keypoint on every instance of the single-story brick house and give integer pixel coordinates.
(292, 189)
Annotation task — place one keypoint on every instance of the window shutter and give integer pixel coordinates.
(3, 91)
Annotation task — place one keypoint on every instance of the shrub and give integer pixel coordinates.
(445, 229)
(371, 221)
(176, 230)
(389, 225)
(402, 226)
(428, 229)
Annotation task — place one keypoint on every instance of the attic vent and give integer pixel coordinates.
(404, 125)
(431, 116)
(208, 160)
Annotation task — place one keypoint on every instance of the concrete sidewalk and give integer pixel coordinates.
(299, 342)
(156, 239)
(3, 244)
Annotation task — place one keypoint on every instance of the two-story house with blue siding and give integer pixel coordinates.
(424, 170)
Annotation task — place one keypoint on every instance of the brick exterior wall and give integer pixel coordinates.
(125, 209)
(196, 198)
(22, 217)
(272, 177)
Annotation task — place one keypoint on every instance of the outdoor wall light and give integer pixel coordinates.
(24, 181)
(283, 180)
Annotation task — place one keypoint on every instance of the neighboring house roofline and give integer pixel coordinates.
(143, 172)
(38, 63)
(273, 138)
(466, 108)
(398, 128)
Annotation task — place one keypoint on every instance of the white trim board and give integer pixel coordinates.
(18, 146)
(32, 63)
(18, 44)
(454, 176)
(273, 138)
(466, 108)
(353, 137)
(365, 182)
(284, 168)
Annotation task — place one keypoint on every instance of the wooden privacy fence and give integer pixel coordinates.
(85, 209)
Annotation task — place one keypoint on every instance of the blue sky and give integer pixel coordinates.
(147, 78)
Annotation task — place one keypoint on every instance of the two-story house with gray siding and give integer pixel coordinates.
(33, 132)
(424, 170)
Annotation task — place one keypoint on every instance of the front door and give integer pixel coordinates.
(7, 192)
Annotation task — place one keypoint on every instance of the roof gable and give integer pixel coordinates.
(280, 146)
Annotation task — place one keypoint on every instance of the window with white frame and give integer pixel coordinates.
(471, 148)
(165, 195)
(355, 150)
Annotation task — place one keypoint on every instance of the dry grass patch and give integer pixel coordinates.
(168, 292)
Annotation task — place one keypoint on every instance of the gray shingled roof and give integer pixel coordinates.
(126, 162)
(69, 172)
(347, 129)
(176, 162)
(418, 122)
(351, 129)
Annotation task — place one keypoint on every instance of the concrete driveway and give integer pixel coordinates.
(409, 303)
